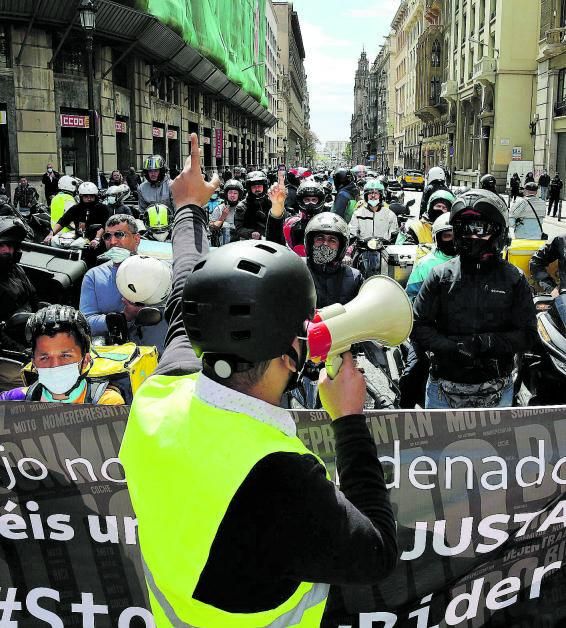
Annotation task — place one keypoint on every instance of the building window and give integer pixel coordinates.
(193, 99)
(70, 58)
(560, 106)
(436, 54)
(435, 91)
(563, 14)
(120, 71)
(207, 106)
(5, 59)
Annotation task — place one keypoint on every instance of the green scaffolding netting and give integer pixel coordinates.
(230, 33)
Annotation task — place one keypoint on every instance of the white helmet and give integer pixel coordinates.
(88, 188)
(441, 224)
(68, 184)
(116, 194)
(142, 279)
(436, 174)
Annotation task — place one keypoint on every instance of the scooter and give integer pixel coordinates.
(542, 372)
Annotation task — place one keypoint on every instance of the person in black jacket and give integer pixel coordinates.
(50, 181)
(548, 253)
(251, 212)
(265, 546)
(17, 293)
(475, 312)
(515, 186)
(554, 196)
(543, 183)
(436, 180)
(346, 194)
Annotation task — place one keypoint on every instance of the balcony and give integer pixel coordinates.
(449, 91)
(560, 108)
(554, 42)
(484, 70)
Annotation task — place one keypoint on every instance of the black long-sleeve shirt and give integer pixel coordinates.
(287, 523)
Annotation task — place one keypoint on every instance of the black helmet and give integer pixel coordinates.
(12, 231)
(257, 177)
(233, 184)
(479, 209)
(154, 162)
(247, 321)
(342, 177)
(488, 182)
(55, 319)
(330, 223)
(311, 189)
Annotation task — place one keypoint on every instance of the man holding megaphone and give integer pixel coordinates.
(238, 521)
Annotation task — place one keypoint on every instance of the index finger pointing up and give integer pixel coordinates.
(195, 151)
(281, 177)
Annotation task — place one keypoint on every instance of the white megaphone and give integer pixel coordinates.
(382, 312)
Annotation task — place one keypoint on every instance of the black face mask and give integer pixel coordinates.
(6, 261)
(476, 250)
(446, 247)
(299, 363)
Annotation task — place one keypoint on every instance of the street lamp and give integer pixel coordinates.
(421, 137)
(245, 133)
(87, 12)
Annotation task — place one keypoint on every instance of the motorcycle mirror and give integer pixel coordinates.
(19, 319)
(410, 203)
(149, 316)
(117, 328)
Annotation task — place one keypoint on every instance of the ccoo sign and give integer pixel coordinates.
(69, 120)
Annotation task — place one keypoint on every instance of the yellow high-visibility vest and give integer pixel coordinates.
(184, 462)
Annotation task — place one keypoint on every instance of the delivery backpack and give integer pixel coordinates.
(124, 367)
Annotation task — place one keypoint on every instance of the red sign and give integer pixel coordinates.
(158, 131)
(171, 134)
(69, 120)
(218, 143)
(121, 126)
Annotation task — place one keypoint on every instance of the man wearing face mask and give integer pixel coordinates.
(99, 292)
(250, 559)
(17, 294)
(50, 180)
(60, 342)
(475, 312)
(251, 212)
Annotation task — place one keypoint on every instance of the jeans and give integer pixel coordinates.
(436, 400)
(543, 193)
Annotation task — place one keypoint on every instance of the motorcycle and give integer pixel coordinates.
(12, 361)
(402, 211)
(367, 255)
(542, 371)
(382, 367)
(118, 329)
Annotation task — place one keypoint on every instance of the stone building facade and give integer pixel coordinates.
(147, 98)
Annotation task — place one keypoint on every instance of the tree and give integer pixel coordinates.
(347, 154)
(309, 146)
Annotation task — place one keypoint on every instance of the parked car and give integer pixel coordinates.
(412, 179)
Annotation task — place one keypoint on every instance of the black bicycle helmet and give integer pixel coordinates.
(480, 206)
(233, 184)
(342, 177)
(247, 321)
(311, 189)
(257, 177)
(54, 319)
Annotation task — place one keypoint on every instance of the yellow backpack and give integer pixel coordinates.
(124, 366)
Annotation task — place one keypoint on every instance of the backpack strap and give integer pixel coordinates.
(33, 392)
(94, 391)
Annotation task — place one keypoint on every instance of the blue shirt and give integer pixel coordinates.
(100, 295)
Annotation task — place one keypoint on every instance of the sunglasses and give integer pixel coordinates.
(119, 235)
(477, 228)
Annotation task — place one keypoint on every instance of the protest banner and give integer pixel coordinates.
(477, 496)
